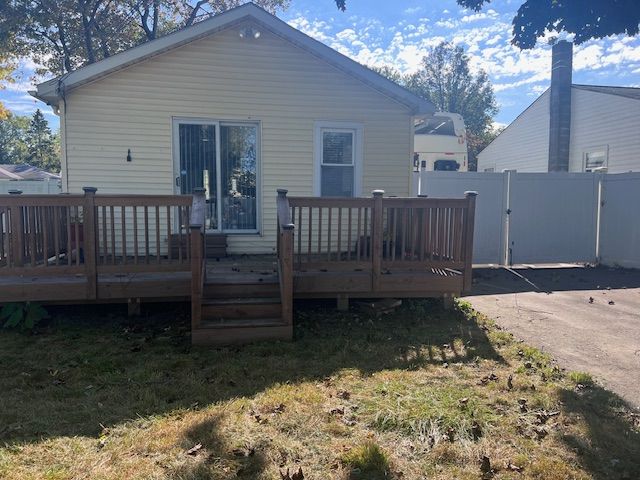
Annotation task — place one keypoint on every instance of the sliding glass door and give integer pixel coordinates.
(223, 159)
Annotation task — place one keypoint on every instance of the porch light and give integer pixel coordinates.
(249, 32)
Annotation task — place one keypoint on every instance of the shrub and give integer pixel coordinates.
(24, 316)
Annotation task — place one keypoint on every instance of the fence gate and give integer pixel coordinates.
(553, 217)
(527, 217)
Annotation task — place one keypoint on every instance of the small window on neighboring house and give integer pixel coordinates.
(595, 158)
(337, 161)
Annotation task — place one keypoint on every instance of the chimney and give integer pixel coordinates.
(560, 111)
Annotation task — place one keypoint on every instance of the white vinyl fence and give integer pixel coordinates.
(47, 187)
(619, 243)
(540, 218)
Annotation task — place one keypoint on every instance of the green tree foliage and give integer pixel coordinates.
(63, 35)
(29, 140)
(13, 141)
(586, 19)
(42, 151)
(446, 80)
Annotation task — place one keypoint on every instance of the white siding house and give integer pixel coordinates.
(241, 104)
(523, 145)
(605, 131)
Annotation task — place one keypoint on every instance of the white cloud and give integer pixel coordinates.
(475, 17)
(412, 10)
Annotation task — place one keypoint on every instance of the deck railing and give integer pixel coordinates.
(93, 234)
(381, 234)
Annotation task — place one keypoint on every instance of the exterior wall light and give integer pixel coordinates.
(249, 32)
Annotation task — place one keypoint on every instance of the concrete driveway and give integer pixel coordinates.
(586, 318)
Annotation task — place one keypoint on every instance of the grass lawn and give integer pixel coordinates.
(420, 393)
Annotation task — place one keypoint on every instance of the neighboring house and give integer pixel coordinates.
(575, 128)
(27, 179)
(241, 104)
(25, 172)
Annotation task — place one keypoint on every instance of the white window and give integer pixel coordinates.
(338, 152)
(596, 158)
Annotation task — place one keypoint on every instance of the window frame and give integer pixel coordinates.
(587, 151)
(341, 127)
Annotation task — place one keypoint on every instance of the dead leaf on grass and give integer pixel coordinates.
(343, 394)
(195, 449)
(513, 467)
(296, 476)
(485, 467)
(476, 430)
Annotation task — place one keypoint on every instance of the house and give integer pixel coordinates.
(570, 127)
(27, 179)
(25, 172)
(244, 129)
(240, 104)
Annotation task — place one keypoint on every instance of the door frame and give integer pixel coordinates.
(176, 121)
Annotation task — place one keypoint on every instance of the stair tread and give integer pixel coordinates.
(242, 301)
(246, 323)
(251, 280)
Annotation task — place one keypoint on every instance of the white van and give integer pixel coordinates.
(440, 143)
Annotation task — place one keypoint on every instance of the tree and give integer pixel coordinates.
(42, 151)
(63, 35)
(13, 143)
(446, 80)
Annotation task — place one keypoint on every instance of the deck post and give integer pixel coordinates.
(468, 241)
(376, 241)
(90, 241)
(197, 248)
(17, 233)
(198, 269)
(286, 270)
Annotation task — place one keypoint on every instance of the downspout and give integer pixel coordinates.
(63, 146)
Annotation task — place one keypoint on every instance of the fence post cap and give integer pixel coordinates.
(89, 190)
(377, 193)
(471, 194)
(288, 226)
(282, 192)
(15, 192)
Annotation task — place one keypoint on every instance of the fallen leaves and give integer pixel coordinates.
(488, 378)
(193, 451)
(296, 476)
(485, 467)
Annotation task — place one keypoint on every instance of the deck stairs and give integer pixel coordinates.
(238, 309)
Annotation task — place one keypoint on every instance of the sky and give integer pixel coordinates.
(398, 33)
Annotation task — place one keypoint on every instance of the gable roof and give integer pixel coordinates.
(51, 91)
(627, 92)
(25, 172)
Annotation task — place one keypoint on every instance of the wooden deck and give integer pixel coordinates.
(135, 249)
